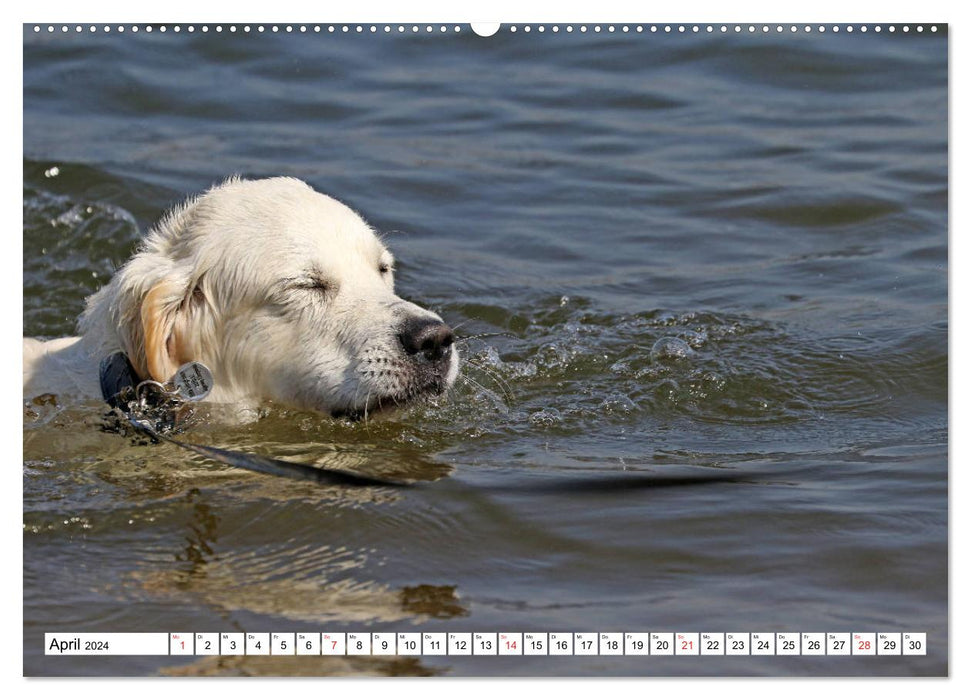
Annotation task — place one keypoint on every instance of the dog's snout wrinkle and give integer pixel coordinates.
(432, 339)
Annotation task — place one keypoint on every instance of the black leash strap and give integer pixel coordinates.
(158, 410)
(155, 409)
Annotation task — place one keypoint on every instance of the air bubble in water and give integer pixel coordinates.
(618, 403)
(667, 349)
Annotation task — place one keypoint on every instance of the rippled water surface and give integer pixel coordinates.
(718, 403)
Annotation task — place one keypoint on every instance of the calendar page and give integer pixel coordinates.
(520, 349)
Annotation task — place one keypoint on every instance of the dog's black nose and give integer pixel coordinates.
(431, 338)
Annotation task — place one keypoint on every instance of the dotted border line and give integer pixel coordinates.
(735, 28)
(512, 29)
(248, 28)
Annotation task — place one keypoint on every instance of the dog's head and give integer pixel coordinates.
(284, 293)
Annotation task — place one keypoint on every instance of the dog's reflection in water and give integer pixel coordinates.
(299, 585)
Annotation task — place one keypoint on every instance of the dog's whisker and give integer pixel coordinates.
(367, 400)
(463, 323)
(479, 336)
(357, 394)
(481, 388)
(468, 382)
(501, 383)
(497, 400)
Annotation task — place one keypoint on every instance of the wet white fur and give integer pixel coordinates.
(232, 279)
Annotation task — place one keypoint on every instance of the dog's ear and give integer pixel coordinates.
(163, 341)
(176, 327)
(154, 308)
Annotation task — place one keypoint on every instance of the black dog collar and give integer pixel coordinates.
(117, 375)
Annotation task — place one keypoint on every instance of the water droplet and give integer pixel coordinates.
(712, 381)
(491, 356)
(695, 339)
(546, 416)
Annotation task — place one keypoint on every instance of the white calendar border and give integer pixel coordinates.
(507, 10)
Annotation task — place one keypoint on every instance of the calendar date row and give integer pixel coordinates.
(488, 644)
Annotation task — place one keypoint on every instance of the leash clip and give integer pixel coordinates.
(162, 408)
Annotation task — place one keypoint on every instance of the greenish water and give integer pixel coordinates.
(718, 259)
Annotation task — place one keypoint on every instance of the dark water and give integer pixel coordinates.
(721, 406)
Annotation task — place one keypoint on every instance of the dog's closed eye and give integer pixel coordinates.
(316, 285)
(309, 284)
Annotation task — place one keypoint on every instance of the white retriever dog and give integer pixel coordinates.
(284, 293)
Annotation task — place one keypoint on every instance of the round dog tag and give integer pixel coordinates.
(193, 380)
